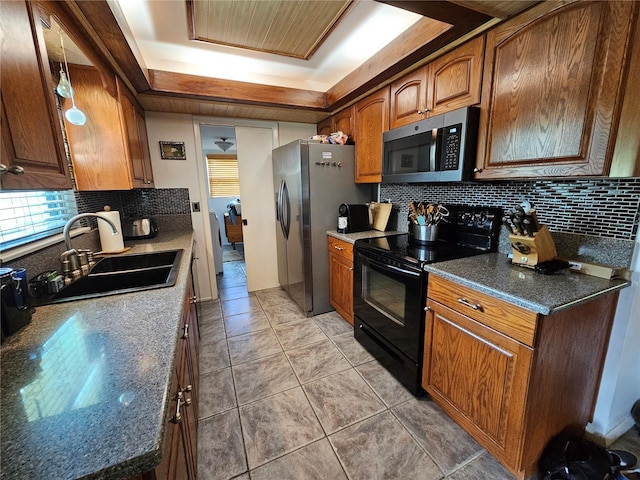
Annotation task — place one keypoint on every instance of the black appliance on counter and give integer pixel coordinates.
(353, 217)
(390, 286)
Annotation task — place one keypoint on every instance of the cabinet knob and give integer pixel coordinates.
(338, 247)
(477, 170)
(3, 169)
(420, 112)
(16, 170)
(427, 308)
(148, 182)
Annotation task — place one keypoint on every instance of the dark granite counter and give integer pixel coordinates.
(85, 384)
(352, 237)
(493, 274)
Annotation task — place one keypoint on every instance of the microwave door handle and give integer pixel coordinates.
(433, 150)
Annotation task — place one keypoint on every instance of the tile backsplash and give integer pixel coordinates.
(593, 220)
(600, 207)
(136, 203)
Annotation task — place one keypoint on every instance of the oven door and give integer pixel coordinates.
(389, 300)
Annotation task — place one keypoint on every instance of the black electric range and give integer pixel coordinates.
(390, 286)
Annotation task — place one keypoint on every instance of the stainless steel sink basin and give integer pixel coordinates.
(124, 274)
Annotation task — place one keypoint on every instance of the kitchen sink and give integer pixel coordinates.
(124, 274)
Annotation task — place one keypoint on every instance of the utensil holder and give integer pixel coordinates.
(530, 251)
(424, 234)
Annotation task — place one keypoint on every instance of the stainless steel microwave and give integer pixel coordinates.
(438, 149)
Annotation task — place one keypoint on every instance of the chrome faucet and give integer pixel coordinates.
(76, 263)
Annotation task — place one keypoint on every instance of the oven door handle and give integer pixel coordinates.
(389, 268)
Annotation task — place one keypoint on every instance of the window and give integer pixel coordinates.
(224, 180)
(29, 216)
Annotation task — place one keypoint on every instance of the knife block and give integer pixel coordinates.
(530, 251)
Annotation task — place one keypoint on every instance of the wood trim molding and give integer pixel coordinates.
(193, 86)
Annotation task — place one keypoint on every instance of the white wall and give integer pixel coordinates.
(191, 174)
(620, 385)
(181, 174)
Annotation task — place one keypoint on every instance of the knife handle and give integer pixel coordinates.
(528, 227)
(507, 224)
(518, 225)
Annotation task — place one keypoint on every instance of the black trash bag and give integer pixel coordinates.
(572, 457)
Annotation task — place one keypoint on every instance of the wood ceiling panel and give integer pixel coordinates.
(293, 29)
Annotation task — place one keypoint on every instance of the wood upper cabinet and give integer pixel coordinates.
(341, 277)
(136, 138)
(408, 99)
(31, 131)
(510, 377)
(553, 79)
(109, 152)
(455, 79)
(342, 121)
(371, 120)
(449, 82)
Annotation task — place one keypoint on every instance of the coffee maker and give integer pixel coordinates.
(15, 312)
(353, 218)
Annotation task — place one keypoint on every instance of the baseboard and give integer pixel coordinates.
(612, 435)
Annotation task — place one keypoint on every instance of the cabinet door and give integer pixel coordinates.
(552, 79)
(98, 150)
(344, 122)
(479, 377)
(341, 285)
(408, 99)
(324, 127)
(136, 138)
(372, 119)
(31, 130)
(455, 79)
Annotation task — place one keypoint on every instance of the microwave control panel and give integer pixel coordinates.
(451, 139)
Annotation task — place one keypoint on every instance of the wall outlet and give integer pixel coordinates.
(575, 266)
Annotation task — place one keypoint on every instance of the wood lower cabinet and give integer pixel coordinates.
(110, 151)
(32, 146)
(510, 377)
(371, 120)
(180, 449)
(552, 88)
(341, 277)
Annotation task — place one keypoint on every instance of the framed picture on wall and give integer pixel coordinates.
(172, 151)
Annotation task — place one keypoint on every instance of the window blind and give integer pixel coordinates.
(29, 216)
(224, 179)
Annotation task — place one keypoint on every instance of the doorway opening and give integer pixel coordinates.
(219, 148)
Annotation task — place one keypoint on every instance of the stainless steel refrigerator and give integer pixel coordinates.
(310, 181)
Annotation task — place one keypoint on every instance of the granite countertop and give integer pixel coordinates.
(545, 294)
(85, 384)
(352, 237)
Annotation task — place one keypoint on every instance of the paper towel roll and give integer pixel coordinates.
(109, 241)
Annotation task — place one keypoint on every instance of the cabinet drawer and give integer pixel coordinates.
(511, 320)
(340, 247)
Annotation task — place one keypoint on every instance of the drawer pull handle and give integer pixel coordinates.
(475, 306)
(185, 335)
(338, 247)
(177, 418)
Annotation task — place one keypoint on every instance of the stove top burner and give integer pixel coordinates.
(468, 231)
(402, 246)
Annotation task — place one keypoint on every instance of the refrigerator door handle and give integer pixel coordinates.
(287, 209)
(280, 209)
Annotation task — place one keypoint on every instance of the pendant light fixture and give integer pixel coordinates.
(74, 115)
(223, 144)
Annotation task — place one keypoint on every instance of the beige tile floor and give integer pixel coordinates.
(284, 397)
